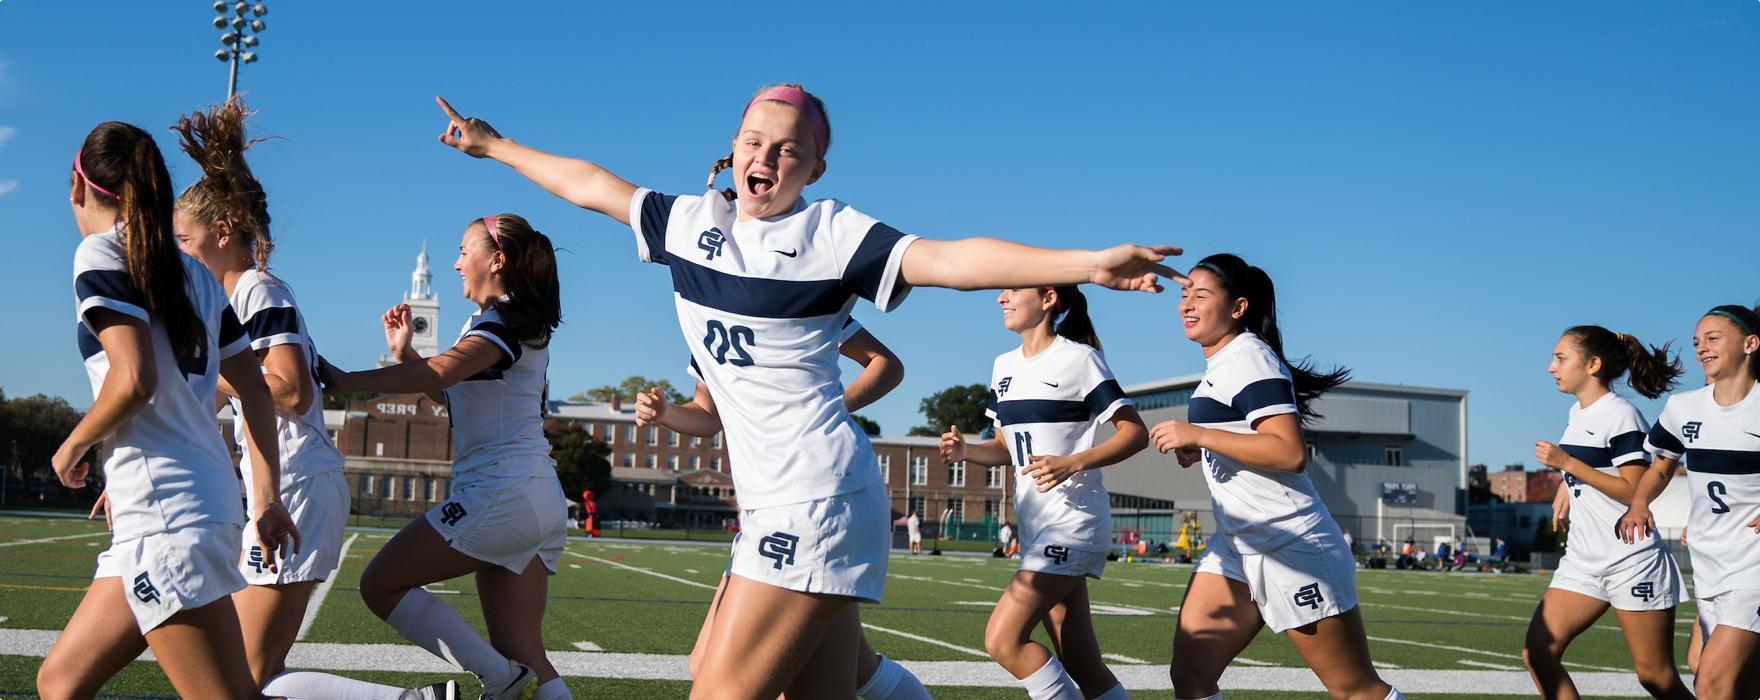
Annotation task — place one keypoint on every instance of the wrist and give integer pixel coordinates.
(1200, 441)
(496, 147)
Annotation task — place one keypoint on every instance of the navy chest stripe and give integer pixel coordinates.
(1207, 411)
(1023, 411)
(757, 297)
(109, 284)
(1722, 461)
(1595, 457)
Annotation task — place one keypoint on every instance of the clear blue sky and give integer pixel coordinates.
(1437, 188)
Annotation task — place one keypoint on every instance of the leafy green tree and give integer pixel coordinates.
(627, 390)
(869, 426)
(31, 429)
(956, 405)
(581, 462)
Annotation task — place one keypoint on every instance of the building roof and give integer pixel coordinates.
(1191, 380)
(586, 410)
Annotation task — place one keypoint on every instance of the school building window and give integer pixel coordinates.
(992, 509)
(956, 508)
(651, 461)
(915, 505)
(629, 434)
(672, 438)
(956, 474)
(715, 463)
(653, 436)
(409, 488)
(696, 441)
(610, 434)
(588, 428)
(431, 486)
(1396, 456)
(366, 486)
(886, 469)
(672, 462)
(919, 471)
(715, 442)
(696, 462)
(629, 459)
(993, 477)
(385, 487)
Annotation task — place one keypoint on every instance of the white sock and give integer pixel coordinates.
(1051, 683)
(553, 689)
(423, 619)
(311, 685)
(1394, 694)
(893, 682)
(1117, 693)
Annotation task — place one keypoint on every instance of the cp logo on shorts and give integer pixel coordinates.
(1309, 595)
(1690, 431)
(144, 590)
(256, 558)
(451, 513)
(778, 547)
(1057, 553)
(1644, 591)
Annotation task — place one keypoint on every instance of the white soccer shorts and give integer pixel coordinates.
(1651, 581)
(505, 522)
(1303, 582)
(319, 506)
(169, 572)
(834, 546)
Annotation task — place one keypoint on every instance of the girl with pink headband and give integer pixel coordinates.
(763, 281)
(505, 520)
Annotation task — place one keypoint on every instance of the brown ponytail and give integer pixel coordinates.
(1075, 324)
(721, 165)
(123, 159)
(228, 192)
(1652, 371)
(533, 308)
(1243, 281)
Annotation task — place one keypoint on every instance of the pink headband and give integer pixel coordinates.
(82, 175)
(493, 223)
(802, 101)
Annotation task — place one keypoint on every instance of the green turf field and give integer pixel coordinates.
(622, 616)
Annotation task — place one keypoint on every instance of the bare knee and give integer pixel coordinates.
(55, 682)
(1539, 654)
(1001, 645)
(1191, 678)
(1658, 678)
(379, 593)
(1715, 682)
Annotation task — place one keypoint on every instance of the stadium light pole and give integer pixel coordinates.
(237, 36)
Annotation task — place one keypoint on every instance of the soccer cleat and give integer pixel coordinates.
(438, 691)
(521, 687)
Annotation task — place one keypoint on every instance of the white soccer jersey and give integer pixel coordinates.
(1722, 449)
(1259, 509)
(168, 467)
(497, 413)
(1050, 404)
(266, 306)
(1607, 434)
(762, 305)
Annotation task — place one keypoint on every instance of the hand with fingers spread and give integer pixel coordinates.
(469, 135)
(1170, 435)
(1135, 268)
(1049, 471)
(399, 329)
(651, 407)
(276, 533)
(103, 504)
(953, 445)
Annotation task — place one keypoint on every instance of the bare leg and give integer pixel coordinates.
(1217, 620)
(1726, 667)
(1071, 627)
(202, 651)
(269, 617)
(1024, 604)
(764, 635)
(1650, 636)
(1337, 649)
(1561, 616)
(513, 608)
(99, 640)
(696, 660)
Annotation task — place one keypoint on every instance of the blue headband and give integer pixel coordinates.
(1736, 319)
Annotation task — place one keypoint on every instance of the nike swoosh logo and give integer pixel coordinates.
(1049, 384)
(1758, 436)
(1591, 432)
(787, 253)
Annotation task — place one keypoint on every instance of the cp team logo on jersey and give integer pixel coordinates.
(144, 590)
(1057, 553)
(1644, 591)
(1002, 386)
(1690, 431)
(256, 558)
(778, 547)
(710, 241)
(1309, 595)
(451, 513)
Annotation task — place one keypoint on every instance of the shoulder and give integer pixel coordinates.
(99, 252)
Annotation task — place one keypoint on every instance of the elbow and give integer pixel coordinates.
(1294, 463)
(139, 384)
(302, 402)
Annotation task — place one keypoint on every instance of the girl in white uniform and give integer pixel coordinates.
(157, 334)
(1277, 559)
(506, 520)
(1716, 429)
(762, 285)
(1602, 457)
(1048, 397)
(223, 221)
(877, 677)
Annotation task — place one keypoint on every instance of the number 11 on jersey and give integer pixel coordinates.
(1023, 448)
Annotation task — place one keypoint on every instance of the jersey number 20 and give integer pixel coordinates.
(723, 340)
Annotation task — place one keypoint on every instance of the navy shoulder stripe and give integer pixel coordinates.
(88, 343)
(868, 266)
(273, 321)
(501, 333)
(1204, 410)
(1660, 437)
(1264, 393)
(1626, 443)
(1102, 396)
(1723, 461)
(1023, 411)
(109, 284)
(230, 329)
(758, 297)
(656, 212)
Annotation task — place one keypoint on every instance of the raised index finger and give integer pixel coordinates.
(450, 112)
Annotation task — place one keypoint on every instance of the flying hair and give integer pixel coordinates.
(1652, 371)
(1243, 281)
(228, 198)
(533, 307)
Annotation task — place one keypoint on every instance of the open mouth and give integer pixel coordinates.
(759, 185)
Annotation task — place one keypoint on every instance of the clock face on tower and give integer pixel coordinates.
(420, 325)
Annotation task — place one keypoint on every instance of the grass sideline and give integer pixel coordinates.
(641, 598)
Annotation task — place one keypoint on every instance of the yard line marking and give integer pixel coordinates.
(1463, 613)
(574, 566)
(317, 602)
(927, 640)
(1481, 664)
(692, 571)
(649, 572)
(1251, 662)
(950, 583)
(588, 646)
(1482, 652)
(54, 539)
(1121, 658)
(28, 587)
(3, 620)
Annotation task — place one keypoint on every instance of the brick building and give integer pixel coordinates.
(1517, 485)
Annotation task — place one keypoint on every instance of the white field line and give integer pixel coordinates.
(588, 646)
(1493, 654)
(1481, 664)
(317, 602)
(641, 570)
(54, 539)
(927, 640)
(1121, 658)
(1462, 613)
(975, 673)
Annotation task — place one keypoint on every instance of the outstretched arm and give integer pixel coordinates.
(580, 182)
(989, 263)
(425, 376)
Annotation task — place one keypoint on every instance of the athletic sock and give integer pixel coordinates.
(310, 685)
(1117, 693)
(435, 626)
(1051, 683)
(1394, 694)
(553, 689)
(892, 681)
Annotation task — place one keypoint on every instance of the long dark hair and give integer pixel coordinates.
(1243, 281)
(1653, 370)
(1074, 324)
(533, 308)
(1747, 317)
(228, 192)
(123, 159)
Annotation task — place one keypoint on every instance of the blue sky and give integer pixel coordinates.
(1437, 188)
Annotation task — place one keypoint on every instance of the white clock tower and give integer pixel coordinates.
(424, 309)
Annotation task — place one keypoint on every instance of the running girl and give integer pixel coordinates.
(1602, 457)
(763, 284)
(1277, 559)
(1716, 429)
(506, 520)
(223, 222)
(157, 334)
(877, 677)
(1048, 397)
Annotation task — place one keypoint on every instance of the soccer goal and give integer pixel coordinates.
(1427, 535)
